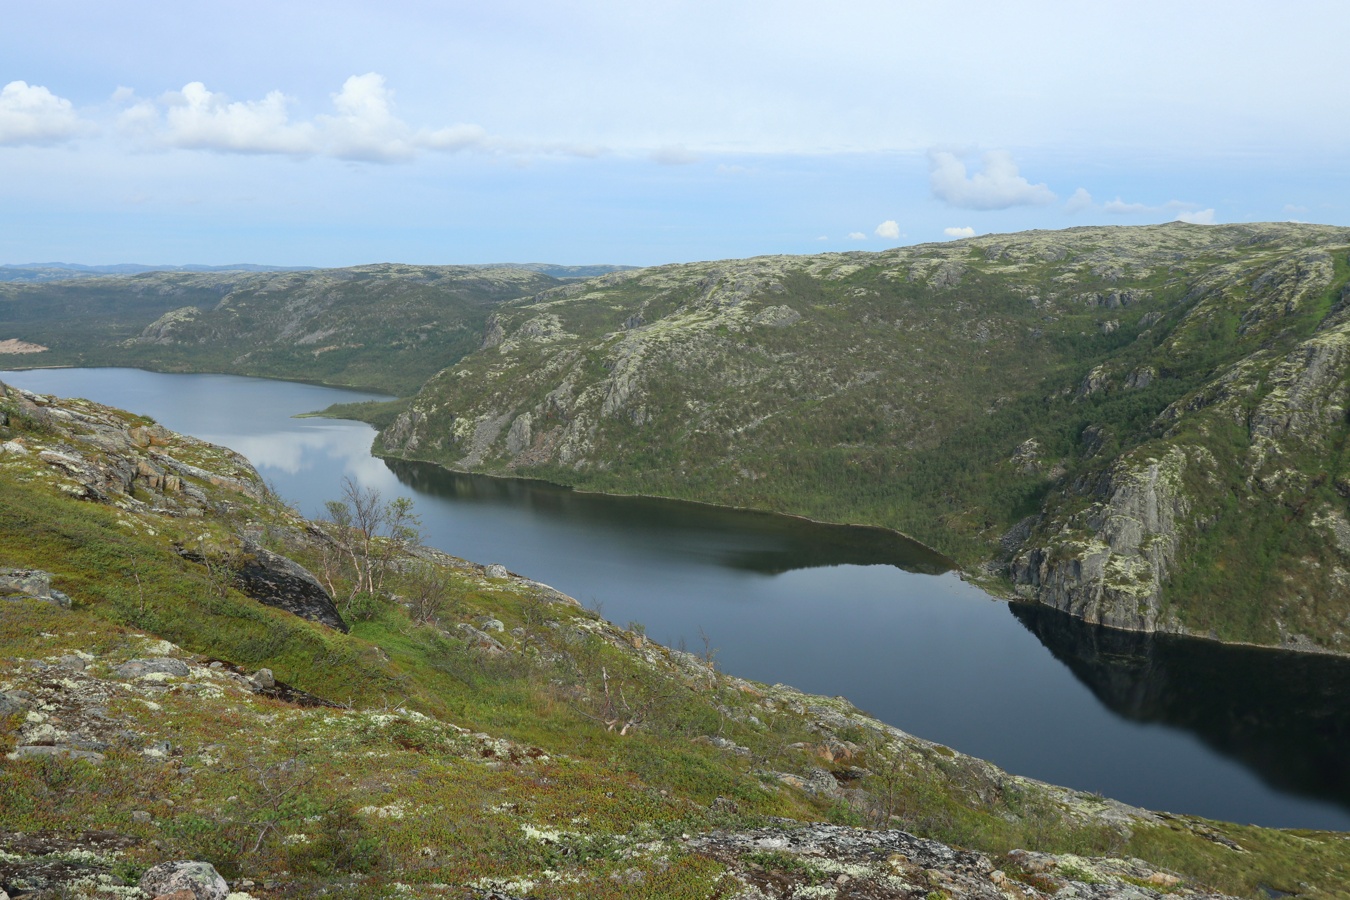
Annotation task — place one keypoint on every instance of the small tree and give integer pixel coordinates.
(428, 592)
(369, 535)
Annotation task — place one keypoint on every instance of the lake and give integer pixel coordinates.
(1187, 726)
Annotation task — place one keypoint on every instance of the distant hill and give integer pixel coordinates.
(387, 327)
(59, 271)
(564, 272)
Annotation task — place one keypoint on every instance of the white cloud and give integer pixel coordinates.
(31, 114)
(890, 229)
(1197, 217)
(363, 125)
(999, 186)
(965, 232)
(856, 236)
(1080, 201)
(674, 155)
(1119, 207)
(1293, 209)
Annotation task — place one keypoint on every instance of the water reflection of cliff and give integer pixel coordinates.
(738, 539)
(1286, 716)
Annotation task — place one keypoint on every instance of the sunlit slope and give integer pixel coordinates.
(1139, 425)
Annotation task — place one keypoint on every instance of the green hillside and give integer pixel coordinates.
(386, 327)
(1141, 426)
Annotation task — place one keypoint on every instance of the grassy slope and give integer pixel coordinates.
(403, 787)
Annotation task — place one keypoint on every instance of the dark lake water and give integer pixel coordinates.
(1187, 726)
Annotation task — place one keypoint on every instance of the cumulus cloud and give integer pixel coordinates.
(1197, 217)
(363, 125)
(998, 186)
(1080, 201)
(674, 155)
(856, 236)
(954, 232)
(31, 114)
(1119, 207)
(890, 230)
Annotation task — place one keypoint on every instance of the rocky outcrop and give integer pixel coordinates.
(837, 861)
(1108, 564)
(97, 453)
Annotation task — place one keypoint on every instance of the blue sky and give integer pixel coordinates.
(445, 132)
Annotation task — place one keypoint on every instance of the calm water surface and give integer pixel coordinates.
(1231, 733)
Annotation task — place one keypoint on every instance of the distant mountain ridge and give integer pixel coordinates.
(57, 271)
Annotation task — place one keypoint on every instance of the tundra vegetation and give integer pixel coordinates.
(473, 731)
(1141, 426)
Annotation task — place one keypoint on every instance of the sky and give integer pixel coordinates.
(438, 131)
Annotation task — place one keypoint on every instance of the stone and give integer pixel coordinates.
(496, 571)
(10, 703)
(200, 880)
(62, 751)
(480, 639)
(140, 816)
(274, 580)
(17, 584)
(264, 680)
(161, 667)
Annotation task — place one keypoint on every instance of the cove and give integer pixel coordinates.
(1168, 723)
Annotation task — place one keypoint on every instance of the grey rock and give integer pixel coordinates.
(31, 751)
(274, 580)
(487, 623)
(496, 571)
(10, 703)
(163, 665)
(263, 679)
(140, 816)
(1141, 377)
(1115, 577)
(480, 639)
(201, 878)
(17, 584)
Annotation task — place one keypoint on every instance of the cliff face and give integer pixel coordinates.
(1139, 426)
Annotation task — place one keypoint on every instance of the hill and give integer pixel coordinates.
(386, 327)
(191, 671)
(1141, 426)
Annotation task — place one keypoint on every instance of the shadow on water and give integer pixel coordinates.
(739, 539)
(1282, 715)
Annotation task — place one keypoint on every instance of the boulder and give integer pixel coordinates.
(273, 579)
(16, 584)
(199, 879)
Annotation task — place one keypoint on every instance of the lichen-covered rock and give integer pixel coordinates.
(199, 878)
(16, 584)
